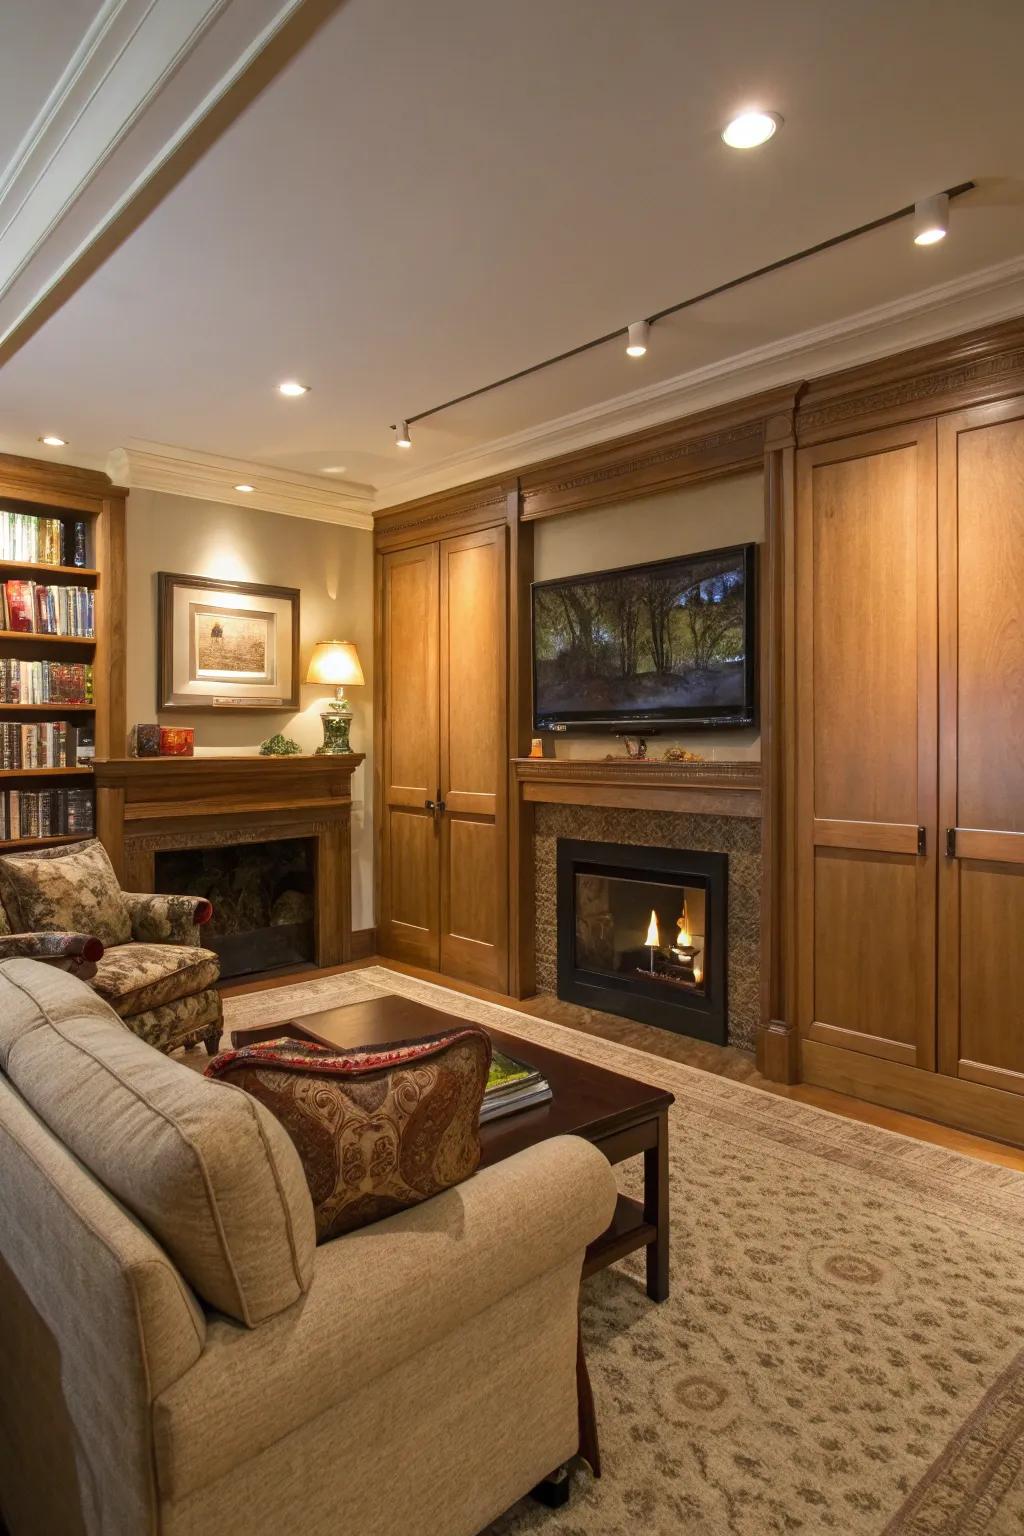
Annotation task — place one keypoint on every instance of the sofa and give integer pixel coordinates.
(178, 1357)
(140, 952)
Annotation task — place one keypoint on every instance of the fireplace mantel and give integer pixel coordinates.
(145, 805)
(710, 789)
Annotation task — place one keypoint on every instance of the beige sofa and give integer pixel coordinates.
(177, 1357)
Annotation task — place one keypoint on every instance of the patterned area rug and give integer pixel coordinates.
(843, 1349)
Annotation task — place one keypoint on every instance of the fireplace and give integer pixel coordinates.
(642, 933)
(262, 896)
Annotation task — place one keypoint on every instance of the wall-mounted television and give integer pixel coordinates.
(672, 645)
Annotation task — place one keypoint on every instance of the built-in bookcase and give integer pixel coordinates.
(46, 490)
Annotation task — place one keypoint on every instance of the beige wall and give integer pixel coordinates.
(332, 567)
(680, 522)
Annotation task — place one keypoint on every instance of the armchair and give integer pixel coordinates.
(140, 952)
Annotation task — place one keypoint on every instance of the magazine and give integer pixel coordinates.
(511, 1085)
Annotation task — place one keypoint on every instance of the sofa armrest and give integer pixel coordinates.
(379, 1296)
(166, 919)
(74, 952)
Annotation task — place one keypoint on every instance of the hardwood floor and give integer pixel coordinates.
(724, 1060)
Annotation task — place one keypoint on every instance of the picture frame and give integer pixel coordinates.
(226, 646)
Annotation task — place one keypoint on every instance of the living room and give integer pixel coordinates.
(511, 768)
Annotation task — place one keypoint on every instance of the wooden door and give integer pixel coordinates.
(410, 768)
(474, 759)
(867, 793)
(981, 933)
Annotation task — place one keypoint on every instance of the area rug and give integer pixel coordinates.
(843, 1348)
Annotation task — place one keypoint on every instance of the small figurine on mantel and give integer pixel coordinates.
(636, 750)
(681, 755)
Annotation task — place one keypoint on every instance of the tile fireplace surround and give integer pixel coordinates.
(737, 836)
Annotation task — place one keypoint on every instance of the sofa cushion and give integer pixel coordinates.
(378, 1129)
(136, 977)
(203, 1165)
(71, 889)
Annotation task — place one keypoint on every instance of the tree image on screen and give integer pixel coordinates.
(666, 638)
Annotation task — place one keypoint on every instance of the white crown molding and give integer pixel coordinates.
(144, 76)
(984, 297)
(208, 477)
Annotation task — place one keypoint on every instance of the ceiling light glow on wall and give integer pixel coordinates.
(246, 488)
(639, 331)
(931, 219)
(53, 441)
(292, 388)
(402, 438)
(750, 129)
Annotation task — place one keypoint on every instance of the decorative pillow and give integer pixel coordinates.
(65, 890)
(377, 1130)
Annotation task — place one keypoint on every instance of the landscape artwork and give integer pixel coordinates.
(670, 636)
(232, 645)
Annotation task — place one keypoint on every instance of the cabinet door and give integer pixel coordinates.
(866, 770)
(410, 771)
(474, 759)
(981, 935)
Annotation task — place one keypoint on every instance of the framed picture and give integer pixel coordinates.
(227, 645)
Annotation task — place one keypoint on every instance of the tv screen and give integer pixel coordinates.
(672, 644)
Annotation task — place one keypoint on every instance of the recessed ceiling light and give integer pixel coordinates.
(931, 219)
(333, 469)
(53, 441)
(245, 487)
(292, 388)
(751, 129)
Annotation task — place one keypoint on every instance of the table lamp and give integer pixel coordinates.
(333, 664)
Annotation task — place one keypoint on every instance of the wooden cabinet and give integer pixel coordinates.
(444, 835)
(910, 764)
(981, 774)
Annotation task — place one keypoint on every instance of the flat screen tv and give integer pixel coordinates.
(672, 645)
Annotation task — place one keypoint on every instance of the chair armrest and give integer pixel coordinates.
(74, 952)
(380, 1295)
(166, 919)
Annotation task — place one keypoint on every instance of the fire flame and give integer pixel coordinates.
(653, 936)
(684, 939)
(698, 974)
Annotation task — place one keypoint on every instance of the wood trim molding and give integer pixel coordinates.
(709, 789)
(364, 943)
(723, 441)
(464, 510)
(208, 477)
(49, 484)
(981, 366)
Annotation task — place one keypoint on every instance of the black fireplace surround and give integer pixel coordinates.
(642, 933)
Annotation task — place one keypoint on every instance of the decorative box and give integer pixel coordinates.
(177, 740)
(146, 740)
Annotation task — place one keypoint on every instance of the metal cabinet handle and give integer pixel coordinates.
(430, 805)
(951, 842)
(922, 840)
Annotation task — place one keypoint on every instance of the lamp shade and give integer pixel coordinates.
(334, 663)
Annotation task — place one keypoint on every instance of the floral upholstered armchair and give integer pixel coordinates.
(141, 953)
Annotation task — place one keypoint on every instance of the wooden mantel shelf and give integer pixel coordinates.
(709, 789)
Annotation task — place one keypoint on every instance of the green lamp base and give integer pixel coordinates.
(336, 720)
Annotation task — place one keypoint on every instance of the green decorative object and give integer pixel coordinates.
(333, 664)
(279, 746)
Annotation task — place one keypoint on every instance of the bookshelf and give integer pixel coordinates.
(44, 489)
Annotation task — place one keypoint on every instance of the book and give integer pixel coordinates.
(511, 1086)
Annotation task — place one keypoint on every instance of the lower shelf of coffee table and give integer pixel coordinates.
(628, 1232)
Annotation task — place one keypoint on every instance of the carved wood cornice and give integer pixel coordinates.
(724, 441)
(710, 789)
(459, 511)
(945, 376)
(632, 770)
(37, 479)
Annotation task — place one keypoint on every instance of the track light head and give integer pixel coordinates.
(639, 331)
(402, 438)
(931, 219)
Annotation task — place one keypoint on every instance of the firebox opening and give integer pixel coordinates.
(262, 896)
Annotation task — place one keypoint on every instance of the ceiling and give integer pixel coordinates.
(428, 197)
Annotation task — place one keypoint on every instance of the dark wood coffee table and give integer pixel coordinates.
(620, 1116)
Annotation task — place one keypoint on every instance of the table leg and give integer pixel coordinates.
(656, 1211)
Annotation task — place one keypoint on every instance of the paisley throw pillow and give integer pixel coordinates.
(378, 1129)
(65, 890)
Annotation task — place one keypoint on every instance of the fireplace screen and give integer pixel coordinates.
(641, 929)
(642, 932)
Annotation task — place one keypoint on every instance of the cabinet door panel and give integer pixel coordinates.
(474, 758)
(410, 771)
(981, 520)
(866, 638)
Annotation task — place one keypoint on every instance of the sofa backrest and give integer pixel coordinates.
(207, 1170)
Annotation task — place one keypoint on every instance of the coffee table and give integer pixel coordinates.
(621, 1117)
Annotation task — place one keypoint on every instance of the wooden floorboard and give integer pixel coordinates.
(726, 1061)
